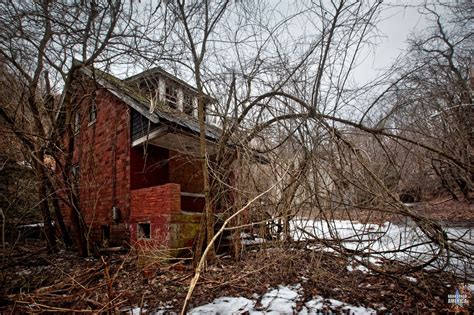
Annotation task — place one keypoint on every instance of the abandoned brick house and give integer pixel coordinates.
(135, 158)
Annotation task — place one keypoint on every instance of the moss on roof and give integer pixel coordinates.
(163, 111)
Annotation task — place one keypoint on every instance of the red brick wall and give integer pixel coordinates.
(154, 205)
(102, 151)
(147, 202)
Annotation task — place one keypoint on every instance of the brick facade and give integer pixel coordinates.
(154, 205)
(102, 154)
(145, 185)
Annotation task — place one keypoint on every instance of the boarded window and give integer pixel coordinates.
(143, 230)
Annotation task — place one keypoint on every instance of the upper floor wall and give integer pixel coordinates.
(158, 85)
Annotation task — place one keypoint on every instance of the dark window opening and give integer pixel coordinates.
(171, 96)
(75, 172)
(143, 230)
(92, 112)
(105, 232)
(149, 86)
(188, 104)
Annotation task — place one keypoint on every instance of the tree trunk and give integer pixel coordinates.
(44, 207)
(59, 216)
(208, 207)
(77, 220)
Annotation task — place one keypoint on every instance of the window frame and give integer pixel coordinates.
(76, 175)
(171, 99)
(77, 122)
(188, 104)
(92, 113)
(143, 234)
(105, 232)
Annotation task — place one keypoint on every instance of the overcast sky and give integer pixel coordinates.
(399, 18)
(398, 21)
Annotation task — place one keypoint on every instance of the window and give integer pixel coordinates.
(143, 230)
(171, 96)
(77, 122)
(188, 104)
(92, 113)
(105, 232)
(75, 172)
(149, 86)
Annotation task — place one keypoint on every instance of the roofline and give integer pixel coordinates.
(155, 116)
(135, 104)
(159, 70)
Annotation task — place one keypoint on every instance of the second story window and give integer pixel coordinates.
(92, 112)
(77, 122)
(188, 104)
(171, 96)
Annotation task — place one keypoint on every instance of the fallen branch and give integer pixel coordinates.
(211, 243)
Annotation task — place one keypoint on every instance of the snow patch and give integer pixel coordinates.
(406, 243)
(133, 311)
(412, 279)
(225, 305)
(281, 300)
(359, 268)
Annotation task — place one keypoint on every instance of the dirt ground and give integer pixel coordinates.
(33, 281)
(447, 211)
(36, 282)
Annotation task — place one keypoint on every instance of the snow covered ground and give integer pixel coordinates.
(405, 243)
(389, 241)
(282, 300)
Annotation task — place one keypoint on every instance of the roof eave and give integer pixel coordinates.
(127, 99)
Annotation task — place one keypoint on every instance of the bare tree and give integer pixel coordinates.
(40, 41)
(438, 97)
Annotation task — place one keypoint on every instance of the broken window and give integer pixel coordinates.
(188, 104)
(171, 96)
(143, 230)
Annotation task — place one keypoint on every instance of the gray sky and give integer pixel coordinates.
(399, 18)
(398, 21)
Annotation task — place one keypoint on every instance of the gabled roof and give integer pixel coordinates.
(125, 91)
(161, 72)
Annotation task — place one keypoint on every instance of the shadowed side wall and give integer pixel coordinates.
(102, 159)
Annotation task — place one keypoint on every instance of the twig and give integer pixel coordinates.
(211, 243)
